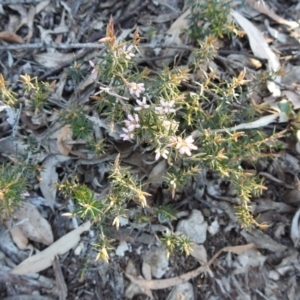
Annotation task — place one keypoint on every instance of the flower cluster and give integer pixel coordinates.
(127, 52)
(131, 124)
(141, 104)
(161, 152)
(166, 107)
(136, 88)
(184, 146)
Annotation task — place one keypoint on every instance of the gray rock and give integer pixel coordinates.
(194, 227)
(158, 260)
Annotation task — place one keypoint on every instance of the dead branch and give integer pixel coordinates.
(55, 46)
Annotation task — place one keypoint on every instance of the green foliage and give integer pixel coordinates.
(97, 147)
(12, 189)
(210, 17)
(125, 186)
(174, 242)
(103, 247)
(36, 92)
(205, 53)
(7, 96)
(75, 72)
(166, 214)
(158, 112)
(81, 127)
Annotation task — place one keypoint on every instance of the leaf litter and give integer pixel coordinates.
(271, 251)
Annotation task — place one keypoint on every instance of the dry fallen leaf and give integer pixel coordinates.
(49, 177)
(90, 79)
(262, 240)
(63, 137)
(295, 229)
(261, 122)
(245, 60)
(52, 60)
(261, 49)
(11, 37)
(36, 228)
(173, 35)
(157, 172)
(199, 252)
(28, 17)
(263, 8)
(280, 37)
(43, 260)
(18, 236)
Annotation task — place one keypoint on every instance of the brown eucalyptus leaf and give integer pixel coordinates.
(17, 236)
(49, 177)
(11, 37)
(52, 60)
(173, 35)
(156, 175)
(43, 260)
(199, 252)
(261, 49)
(262, 240)
(263, 8)
(63, 137)
(37, 227)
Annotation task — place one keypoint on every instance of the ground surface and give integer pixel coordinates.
(270, 270)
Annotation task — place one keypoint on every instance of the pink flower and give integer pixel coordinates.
(161, 152)
(173, 140)
(185, 146)
(166, 107)
(128, 135)
(93, 66)
(132, 122)
(136, 88)
(142, 104)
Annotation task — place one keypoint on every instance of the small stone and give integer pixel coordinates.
(182, 291)
(122, 248)
(194, 227)
(158, 260)
(214, 227)
(123, 221)
(274, 275)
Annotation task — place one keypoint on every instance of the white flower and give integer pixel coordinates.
(161, 152)
(132, 122)
(128, 52)
(128, 135)
(166, 107)
(93, 66)
(170, 125)
(185, 146)
(142, 104)
(136, 88)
